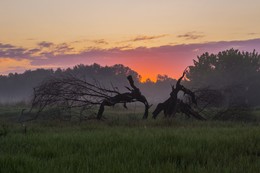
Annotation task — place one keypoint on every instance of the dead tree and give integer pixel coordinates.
(128, 97)
(188, 111)
(70, 92)
(173, 105)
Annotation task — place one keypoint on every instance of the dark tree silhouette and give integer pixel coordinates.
(19, 87)
(227, 84)
(229, 70)
(69, 92)
(132, 96)
(173, 104)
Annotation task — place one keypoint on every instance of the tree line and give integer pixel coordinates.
(234, 73)
(19, 87)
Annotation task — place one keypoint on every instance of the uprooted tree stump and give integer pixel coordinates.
(128, 97)
(69, 92)
(173, 104)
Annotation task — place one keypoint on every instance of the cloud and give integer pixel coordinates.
(145, 38)
(31, 39)
(100, 41)
(191, 35)
(46, 49)
(45, 44)
(253, 33)
(6, 46)
(7, 50)
(166, 59)
(62, 48)
(33, 51)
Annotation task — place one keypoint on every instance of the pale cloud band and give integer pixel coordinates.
(191, 35)
(167, 59)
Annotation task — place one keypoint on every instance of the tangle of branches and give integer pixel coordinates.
(69, 92)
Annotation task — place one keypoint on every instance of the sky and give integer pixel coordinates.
(150, 36)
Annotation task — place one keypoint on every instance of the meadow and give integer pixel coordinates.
(125, 143)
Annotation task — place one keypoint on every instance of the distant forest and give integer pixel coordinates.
(19, 87)
(234, 73)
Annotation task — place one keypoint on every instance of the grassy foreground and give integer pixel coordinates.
(125, 143)
(150, 146)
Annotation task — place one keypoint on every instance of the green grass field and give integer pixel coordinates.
(125, 143)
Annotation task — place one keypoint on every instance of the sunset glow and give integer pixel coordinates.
(152, 37)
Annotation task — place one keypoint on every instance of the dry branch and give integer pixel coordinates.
(68, 92)
(173, 104)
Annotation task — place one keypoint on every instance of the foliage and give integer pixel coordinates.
(230, 67)
(19, 87)
(235, 73)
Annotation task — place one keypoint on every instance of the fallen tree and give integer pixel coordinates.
(132, 96)
(175, 105)
(70, 92)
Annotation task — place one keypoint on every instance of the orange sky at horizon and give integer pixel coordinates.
(148, 62)
(147, 72)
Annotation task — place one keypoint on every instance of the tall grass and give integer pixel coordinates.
(125, 143)
(151, 146)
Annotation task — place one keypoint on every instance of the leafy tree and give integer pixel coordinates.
(232, 71)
